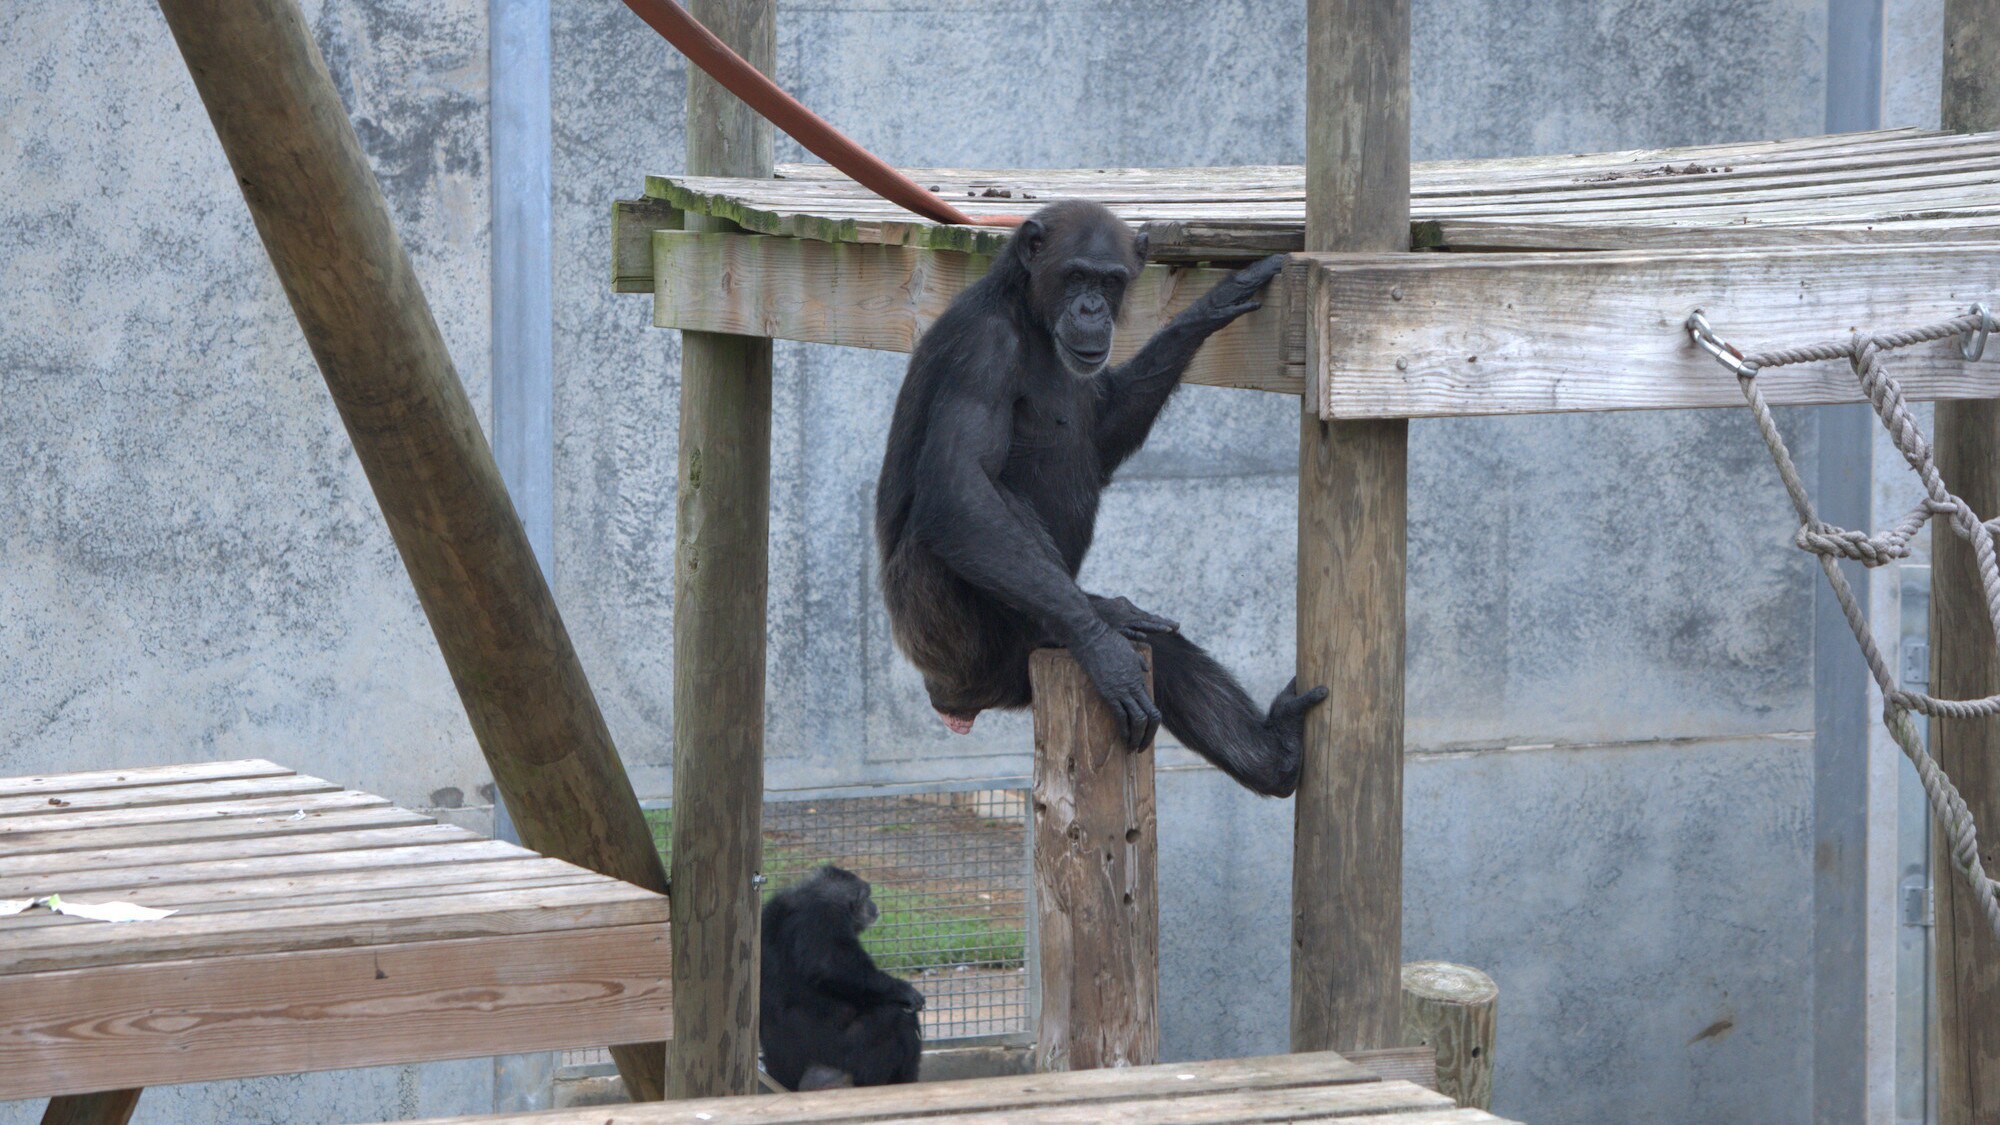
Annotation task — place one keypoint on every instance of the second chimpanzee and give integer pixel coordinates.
(826, 1015)
(1008, 427)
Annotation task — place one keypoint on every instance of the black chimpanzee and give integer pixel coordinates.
(827, 1015)
(1007, 428)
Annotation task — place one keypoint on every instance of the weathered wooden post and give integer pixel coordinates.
(1451, 1009)
(1097, 895)
(1964, 664)
(721, 566)
(333, 244)
(1347, 858)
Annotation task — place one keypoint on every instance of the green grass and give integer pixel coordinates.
(917, 930)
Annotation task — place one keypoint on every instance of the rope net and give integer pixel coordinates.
(1830, 544)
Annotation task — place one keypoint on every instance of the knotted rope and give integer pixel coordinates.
(1830, 544)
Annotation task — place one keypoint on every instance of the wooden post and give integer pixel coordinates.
(721, 566)
(1347, 859)
(334, 246)
(1097, 891)
(1964, 664)
(1451, 1009)
(110, 1107)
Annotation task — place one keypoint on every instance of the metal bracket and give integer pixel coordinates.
(1915, 896)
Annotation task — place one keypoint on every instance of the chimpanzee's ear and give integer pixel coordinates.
(1028, 241)
(1141, 244)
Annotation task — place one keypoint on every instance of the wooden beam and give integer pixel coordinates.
(1097, 887)
(1441, 335)
(721, 570)
(333, 244)
(1347, 856)
(106, 1107)
(1451, 1009)
(884, 297)
(1964, 664)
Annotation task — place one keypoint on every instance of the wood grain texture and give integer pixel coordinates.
(1403, 1064)
(353, 814)
(333, 243)
(1435, 335)
(64, 783)
(1025, 1098)
(281, 1012)
(721, 571)
(1347, 852)
(1097, 896)
(633, 222)
(1453, 1009)
(885, 297)
(1964, 664)
(106, 1107)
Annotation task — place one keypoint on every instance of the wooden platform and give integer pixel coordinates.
(1586, 267)
(316, 928)
(1282, 1088)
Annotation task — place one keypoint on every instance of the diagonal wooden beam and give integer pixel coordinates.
(330, 237)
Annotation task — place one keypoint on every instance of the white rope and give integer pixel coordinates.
(1830, 544)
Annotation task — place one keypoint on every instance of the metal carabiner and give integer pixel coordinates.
(1972, 344)
(1724, 352)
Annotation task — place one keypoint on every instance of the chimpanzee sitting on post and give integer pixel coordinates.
(1008, 426)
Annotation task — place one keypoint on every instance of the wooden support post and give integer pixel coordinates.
(110, 1107)
(1964, 664)
(1451, 1009)
(721, 567)
(1097, 891)
(331, 239)
(1347, 859)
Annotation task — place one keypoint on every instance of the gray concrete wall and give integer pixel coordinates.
(1609, 786)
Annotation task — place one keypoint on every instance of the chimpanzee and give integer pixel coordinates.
(1008, 426)
(827, 1015)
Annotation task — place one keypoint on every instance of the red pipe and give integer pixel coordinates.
(727, 67)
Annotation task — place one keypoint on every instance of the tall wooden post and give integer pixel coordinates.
(1347, 859)
(328, 232)
(721, 566)
(1964, 664)
(1097, 887)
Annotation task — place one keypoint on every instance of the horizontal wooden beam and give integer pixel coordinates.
(77, 1031)
(883, 297)
(1439, 335)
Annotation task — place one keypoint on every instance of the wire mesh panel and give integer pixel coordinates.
(950, 875)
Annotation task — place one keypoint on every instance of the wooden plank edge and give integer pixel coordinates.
(633, 222)
(60, 783)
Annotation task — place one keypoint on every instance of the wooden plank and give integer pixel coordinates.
(721, 576)
(1097, 887)
(321, 845)
(353, 816)
(281, 1012)
(107, 1107)
(308, 187)
(25, 831)
(76, 879)
(1371, 1100)
(195, 936)
(61, 783)
(1452, 1010)
(1442, 335)
(150, 796)
(444, 882)
(1017, 1093)
(633, 222)
(1347, 853)
(884, 297)
(1502, 235)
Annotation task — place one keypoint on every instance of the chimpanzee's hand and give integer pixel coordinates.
(912, 1000)
(1237, 294)
(1120, 676)
(1129, 619)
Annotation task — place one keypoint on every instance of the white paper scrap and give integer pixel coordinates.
(96, 911)
(299, 815)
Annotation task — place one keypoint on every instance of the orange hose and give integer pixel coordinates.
(727, 67)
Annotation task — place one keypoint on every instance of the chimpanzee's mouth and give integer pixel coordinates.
(959, 724)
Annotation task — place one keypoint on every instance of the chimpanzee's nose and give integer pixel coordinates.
(1093, 305)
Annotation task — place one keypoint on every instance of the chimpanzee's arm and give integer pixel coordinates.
(846, 973)
(1131, 396)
